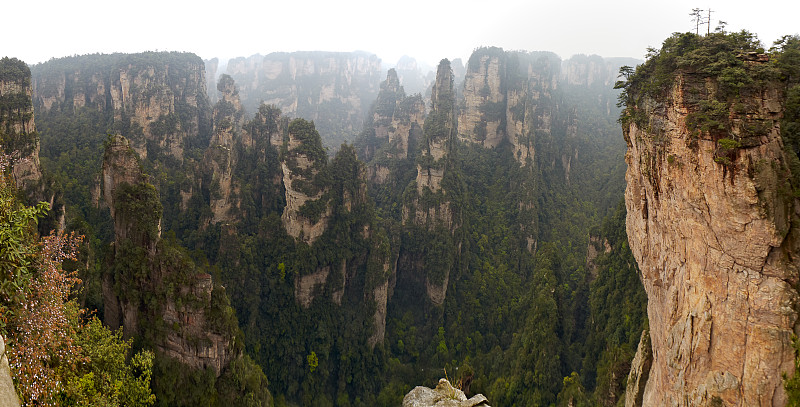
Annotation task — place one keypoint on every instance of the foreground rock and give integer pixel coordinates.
(8, 396)
(444, 395)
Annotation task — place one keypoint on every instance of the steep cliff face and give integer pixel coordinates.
(712, 223)
(220, 158)
(428, 212)
(438, 143)
(212, 67)
(393, 131)
(307, 212)
(482, 119)
(156, 99)
(331, 216)
(507, 98)
(18, 136)
(121, 167)
(332, 89)
(150, 281)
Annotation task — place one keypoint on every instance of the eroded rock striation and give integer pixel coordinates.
(220, 158)
(429, 213)
(157, 100)
(392, 131)
(17, 128)
(507, 99)
(714, 230)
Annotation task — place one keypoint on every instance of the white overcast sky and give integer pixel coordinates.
(37, 30)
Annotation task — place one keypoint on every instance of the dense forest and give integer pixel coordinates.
(467, 258)
(475, 231)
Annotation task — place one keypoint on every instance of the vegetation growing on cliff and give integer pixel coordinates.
(57, 355)
(16, 110)
(515, 318)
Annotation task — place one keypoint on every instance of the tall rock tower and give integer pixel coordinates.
(712, 222)
(18, 136)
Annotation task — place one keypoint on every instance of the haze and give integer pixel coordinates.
(425, 30)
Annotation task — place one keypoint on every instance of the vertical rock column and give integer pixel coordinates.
(717, 245)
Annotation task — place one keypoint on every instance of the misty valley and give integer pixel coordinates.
(321, 229)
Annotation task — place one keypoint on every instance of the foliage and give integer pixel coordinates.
(43, 338)
(16, 138)
(56, 357)
(105, 379)
(15, 71)
(309, 142)
(139, 206)
(17, 248)
(717, 55)
(516, 317)
(792, 384)
(617, 313)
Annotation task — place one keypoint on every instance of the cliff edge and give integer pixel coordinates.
(712, 220)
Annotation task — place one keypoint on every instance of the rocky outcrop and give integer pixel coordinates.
(157, 100)
(439, 140)
(190, 340)
(332, 89)
(508, 103)
(596, 246)
(306, 213)
(714, 233)
(381, 297)
(8, 395)
(357, 273)
(444, 395)
(150, 281)
(212, 67)
(393, 130)
(121, 167)
(429, 206)
(482, 118)
(18, 137)
(305, 286)
(220, 158)
(640, 372)
(507, 99)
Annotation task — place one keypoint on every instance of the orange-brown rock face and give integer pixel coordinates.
(712, 230)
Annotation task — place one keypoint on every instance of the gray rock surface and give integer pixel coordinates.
(8, 396)
(444, 395)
